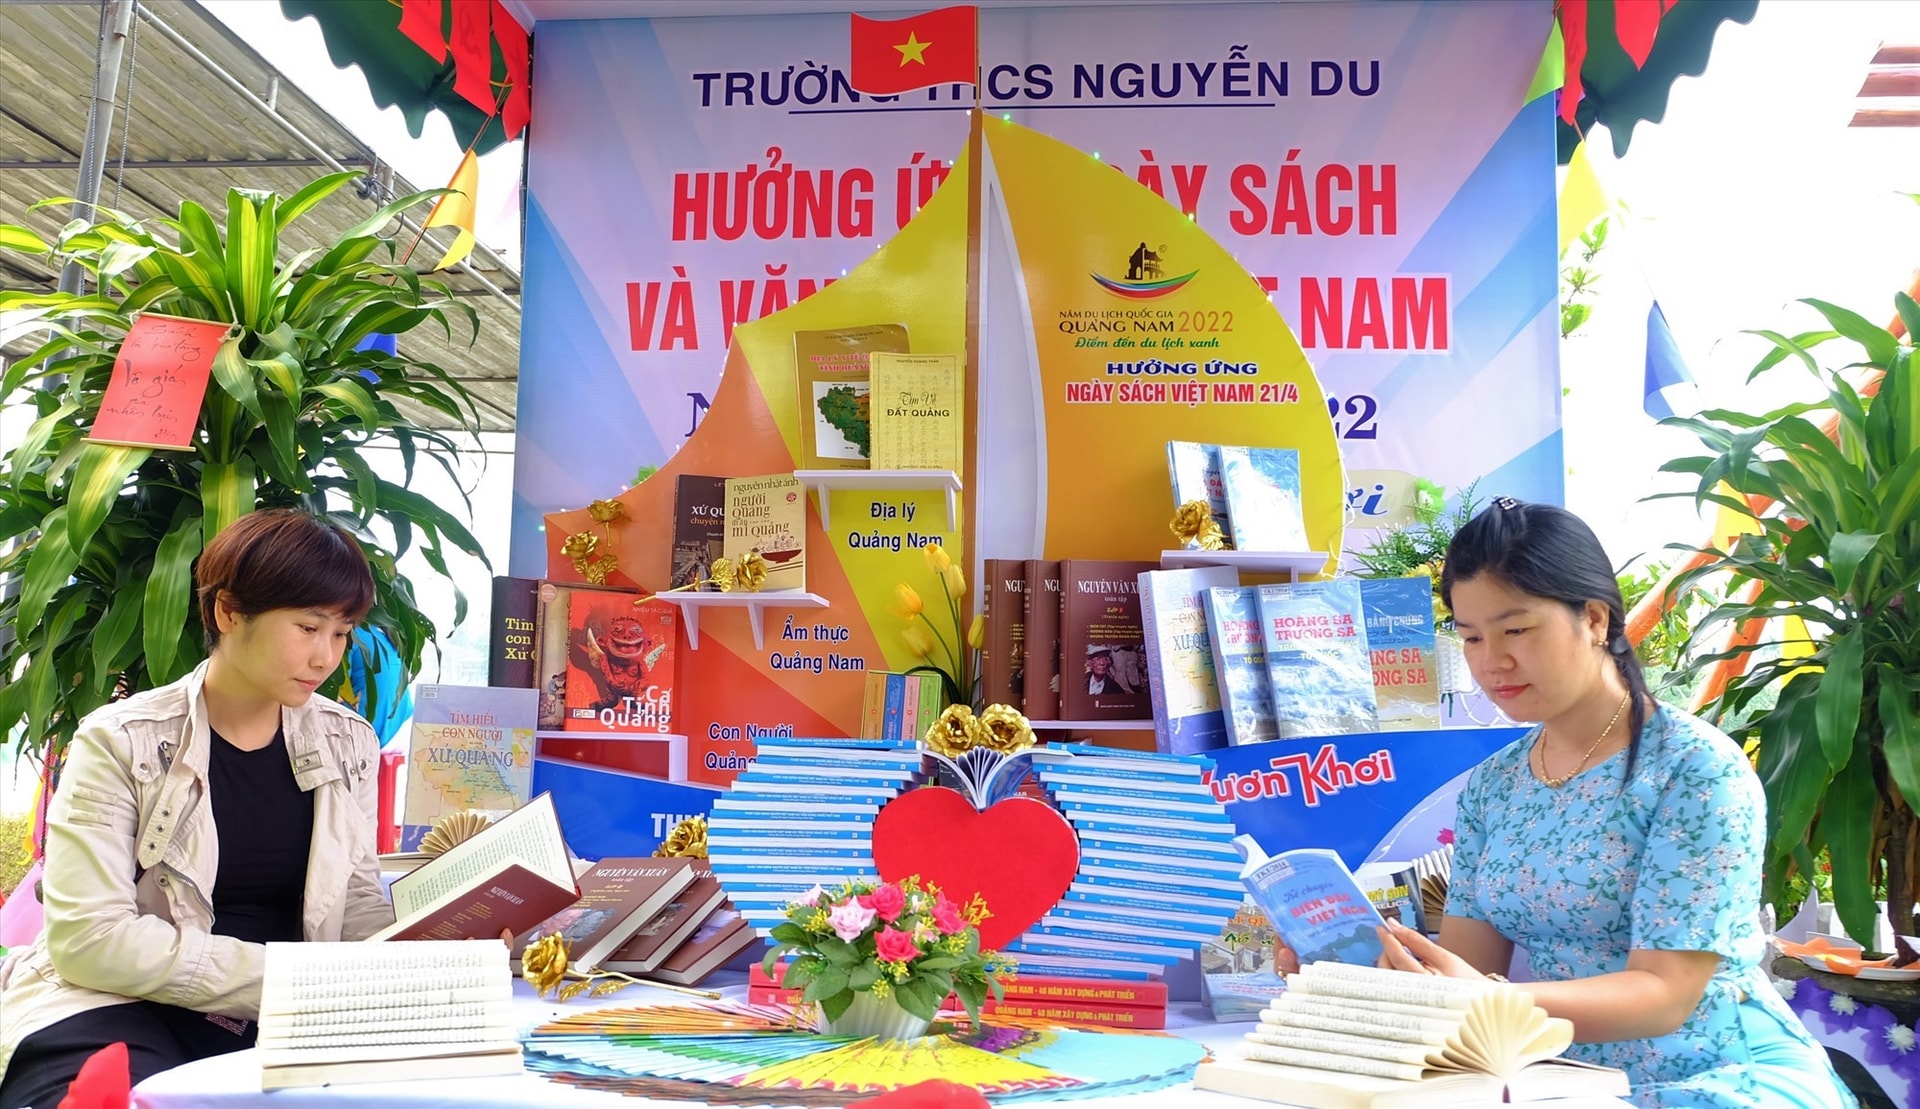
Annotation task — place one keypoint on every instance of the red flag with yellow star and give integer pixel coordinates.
(892, 56)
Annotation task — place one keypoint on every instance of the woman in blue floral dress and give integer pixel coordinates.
(1619, 843)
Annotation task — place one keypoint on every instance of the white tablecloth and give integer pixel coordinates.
(233, 1081)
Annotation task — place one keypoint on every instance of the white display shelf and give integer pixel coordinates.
(1291, 563)
(824, 482)
(756, 605)
(1143, 725)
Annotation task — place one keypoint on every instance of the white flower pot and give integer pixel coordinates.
(881, 1017)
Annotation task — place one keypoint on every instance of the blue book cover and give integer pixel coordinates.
(1401, 642)
(1091, 753)
(1316, 906)
(1194, 469)
(617, 813)
(1318, 668)
(896, 707)
(1240, 663)
(1263, 498)
(1186, 693)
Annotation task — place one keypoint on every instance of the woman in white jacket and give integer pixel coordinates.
(197, 822)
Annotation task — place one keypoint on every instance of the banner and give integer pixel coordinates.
(1373, 167)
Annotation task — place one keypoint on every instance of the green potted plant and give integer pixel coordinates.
(102, 539)
(1832, 721)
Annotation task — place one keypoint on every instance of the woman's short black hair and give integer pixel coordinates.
(1545, 551)
(282, 558)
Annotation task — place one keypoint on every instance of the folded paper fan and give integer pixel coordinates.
(452, 830)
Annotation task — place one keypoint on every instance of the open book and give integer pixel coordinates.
(345, 1012)
(512, 875)
(1313, 902)
(1351, 1037)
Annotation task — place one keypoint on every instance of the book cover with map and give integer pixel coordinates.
(832, 379)
(1184, 686)
(471, 751)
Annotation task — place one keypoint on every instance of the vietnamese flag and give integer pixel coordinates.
(892, 56)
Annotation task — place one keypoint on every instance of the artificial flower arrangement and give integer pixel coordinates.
(938, 643)
(905, 942)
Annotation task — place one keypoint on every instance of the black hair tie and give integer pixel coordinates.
(1507, 504)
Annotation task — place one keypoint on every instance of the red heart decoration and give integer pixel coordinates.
(1019, 854)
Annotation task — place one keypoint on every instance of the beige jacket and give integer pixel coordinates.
(132, 853)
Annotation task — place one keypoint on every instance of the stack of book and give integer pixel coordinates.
(1353, 1036)
(1065, 640)
(648, 917)
(350, 1012)
(1158, 871)
(1088, 1002)
(802, 816)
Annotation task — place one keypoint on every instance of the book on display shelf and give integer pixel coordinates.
(512, 622)
(1185, 690)
(1103, 662)
(718, 941)
(671, 925)
(768, 514)
(1319, 672)
(1040, 681)
(622, 663)
(1262, 487)
(699, 530)
(833, 375)
(1194, 470)
(915, 400)
(1401, 643)
(1240, 663)
(1003, 664)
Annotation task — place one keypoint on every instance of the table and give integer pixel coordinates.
(233, 1081)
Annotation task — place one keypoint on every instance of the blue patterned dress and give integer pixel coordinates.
(1580, 876)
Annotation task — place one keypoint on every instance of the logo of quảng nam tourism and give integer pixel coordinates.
(1146, 275)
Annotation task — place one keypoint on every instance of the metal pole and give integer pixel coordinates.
(246, 94)
(93, 153)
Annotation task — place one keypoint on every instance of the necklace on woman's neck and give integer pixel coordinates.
(1556, 783)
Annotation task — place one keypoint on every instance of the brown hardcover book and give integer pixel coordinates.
(1042, 629)
(617, 898)
(831, 371)
(721, 936)
(622, 663)
(1003, 668)
(670, 925)
(699, 529)
(511, 876)
(1103, 642)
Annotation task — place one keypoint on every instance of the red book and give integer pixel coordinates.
(940, 47)
(621, 663)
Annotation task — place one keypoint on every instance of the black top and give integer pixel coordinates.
(265, 822)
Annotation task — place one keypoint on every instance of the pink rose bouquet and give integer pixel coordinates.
(905, 940)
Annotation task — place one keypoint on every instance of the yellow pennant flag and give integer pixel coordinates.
(1582, 200)
(456, 210)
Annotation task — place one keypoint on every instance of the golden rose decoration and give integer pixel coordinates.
(1004, 729)
(954, 733)
(1193, 524)
(579, 545)
(544, 963)
(720, 575)
(688, 840)
(752, 572)
(606, 512)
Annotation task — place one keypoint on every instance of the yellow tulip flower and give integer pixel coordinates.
(956, 582)
(937, 560)
(910, 604)
(977, 632)
(918, 642)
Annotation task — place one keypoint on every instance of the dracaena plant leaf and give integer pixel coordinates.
(102, 539)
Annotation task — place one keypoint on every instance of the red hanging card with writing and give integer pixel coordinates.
(940, 47)
(421, 21)
(517, 53)
(159, 378)
(472, 44)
